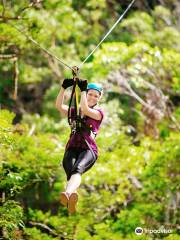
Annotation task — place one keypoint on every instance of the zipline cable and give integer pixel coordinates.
(115, 24)
(41, 47)
(54, 56)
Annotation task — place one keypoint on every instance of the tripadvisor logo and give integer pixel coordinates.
(139, 231)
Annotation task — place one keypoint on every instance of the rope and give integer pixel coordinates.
(37, 44)
(119, 19)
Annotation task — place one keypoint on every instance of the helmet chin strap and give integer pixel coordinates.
(94, 105)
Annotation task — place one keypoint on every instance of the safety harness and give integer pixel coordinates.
(76, 122)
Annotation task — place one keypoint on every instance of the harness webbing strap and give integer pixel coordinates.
(70, 103)
(90, 148)
(76, 97)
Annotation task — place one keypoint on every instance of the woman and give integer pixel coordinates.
(81, 150)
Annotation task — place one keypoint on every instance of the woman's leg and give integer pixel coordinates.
(84, 162)
(73, 183)
(68, 162)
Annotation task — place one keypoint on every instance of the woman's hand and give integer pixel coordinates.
(82, 85)
(68, 82)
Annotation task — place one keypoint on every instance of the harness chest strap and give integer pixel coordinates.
(77, 126)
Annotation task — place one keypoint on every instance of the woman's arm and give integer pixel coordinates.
(93, 113)
(59, 102)
(68, 82)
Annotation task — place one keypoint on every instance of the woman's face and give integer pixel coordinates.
(93, 97)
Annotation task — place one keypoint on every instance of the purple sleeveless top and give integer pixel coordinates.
(77, 140)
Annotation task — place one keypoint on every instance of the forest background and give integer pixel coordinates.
(135, 180)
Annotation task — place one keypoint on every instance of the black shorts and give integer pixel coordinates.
(78, 161)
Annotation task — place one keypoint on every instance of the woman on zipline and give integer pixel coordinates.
(81, 150)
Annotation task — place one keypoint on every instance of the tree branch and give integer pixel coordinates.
(20, 12)
(44, 227)
(53, 64)
(8, 56)
(16, 74)
(135, 181)
(12, 18)
(48, 229)
(4, 7)
(31, 5)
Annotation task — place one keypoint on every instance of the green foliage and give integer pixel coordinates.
(36, 234)
(11, 219)
(140, 61)
(27, 73)
(49, 102)
(154, 29)
(102, 211)
(134, 182)
(24, 158)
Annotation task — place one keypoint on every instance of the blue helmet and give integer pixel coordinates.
(95, 86)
